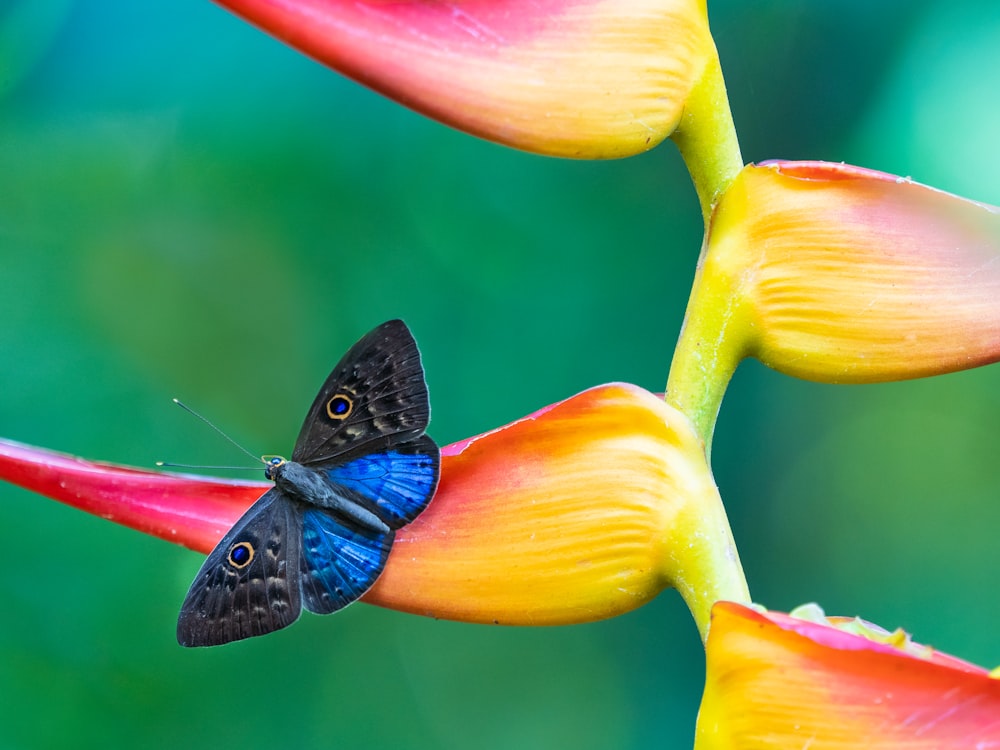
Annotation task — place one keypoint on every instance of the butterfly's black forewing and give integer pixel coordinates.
(247, 586)
(375, 397)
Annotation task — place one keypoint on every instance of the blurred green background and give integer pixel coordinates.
(188, 208)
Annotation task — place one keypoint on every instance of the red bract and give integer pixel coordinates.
(188, 510)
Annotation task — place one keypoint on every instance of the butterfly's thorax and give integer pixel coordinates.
(311, 487)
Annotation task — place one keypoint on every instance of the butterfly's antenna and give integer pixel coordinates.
(192, 412)
(172, 465)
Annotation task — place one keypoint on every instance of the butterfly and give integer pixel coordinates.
(361, 468)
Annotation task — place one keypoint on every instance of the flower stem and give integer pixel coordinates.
(703, 363)
(711, 569)
(706, 138)
(705, 358)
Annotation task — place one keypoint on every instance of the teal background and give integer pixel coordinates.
(188, 208)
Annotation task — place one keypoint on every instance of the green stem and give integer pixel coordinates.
(706, 138)
(703, 363)
(704, 359)
(711, 569)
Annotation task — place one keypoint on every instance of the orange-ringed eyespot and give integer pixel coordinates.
(240, 554)
(339, 407)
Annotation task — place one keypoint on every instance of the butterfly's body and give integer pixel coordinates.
(309, 486)
(319, 539)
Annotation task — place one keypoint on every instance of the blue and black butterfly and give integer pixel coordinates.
(362, 468)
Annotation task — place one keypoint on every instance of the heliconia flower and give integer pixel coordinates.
(581, 511)
(776, 681)
(839, 274)
(587, 78)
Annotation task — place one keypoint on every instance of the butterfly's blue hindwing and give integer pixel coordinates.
(340, 561)
(399, 482)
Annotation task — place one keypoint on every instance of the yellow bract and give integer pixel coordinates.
(838, 274)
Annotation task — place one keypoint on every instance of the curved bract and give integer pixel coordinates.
(860, 276)
(581, 511)
(776, 681)
(575, 78)
(839, 274)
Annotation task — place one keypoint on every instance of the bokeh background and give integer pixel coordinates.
(188, 208)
